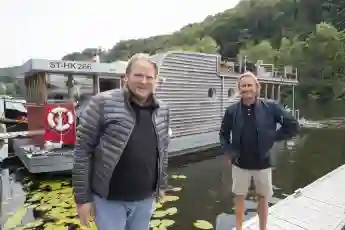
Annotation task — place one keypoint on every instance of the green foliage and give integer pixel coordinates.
(11, 86)
(52, 205)
(307, 34)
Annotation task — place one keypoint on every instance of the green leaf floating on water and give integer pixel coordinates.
(168, 198)
(171, 211)
(159, 214)
(166, 223)
(203, 224)
(178, 177)
(34, 224)
(162, 213)
(36, 197)
(54, 201)
(155, 223)
(158, 205)
(161, 224)
(15, 219)
(176, 189)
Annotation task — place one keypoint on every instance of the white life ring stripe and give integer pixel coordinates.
(53, 125)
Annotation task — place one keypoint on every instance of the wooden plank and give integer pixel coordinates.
(341, 226)
(318, 206)
(12, 135)
(310, 214)
(274, 224)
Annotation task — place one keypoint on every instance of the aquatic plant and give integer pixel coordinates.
(160, 216)
(52, 206)
(203, 224)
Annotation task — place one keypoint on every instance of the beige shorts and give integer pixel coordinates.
(241, 179)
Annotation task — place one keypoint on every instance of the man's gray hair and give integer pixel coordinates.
(250, 74)
(137, 57)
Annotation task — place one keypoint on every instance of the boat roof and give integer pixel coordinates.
(15, 104)
(32, 66)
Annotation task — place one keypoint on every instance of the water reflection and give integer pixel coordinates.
(206, 192)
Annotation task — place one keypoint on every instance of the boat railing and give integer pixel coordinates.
(230, 66)
(295, 113)
(286, 72)
(276, 71)
(265, 70)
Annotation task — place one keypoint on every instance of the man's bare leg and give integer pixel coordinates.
(239, 206)
(262, 212)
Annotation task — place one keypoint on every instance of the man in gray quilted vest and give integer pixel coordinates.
(121, 154)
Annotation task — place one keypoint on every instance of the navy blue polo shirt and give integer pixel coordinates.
(249, 155)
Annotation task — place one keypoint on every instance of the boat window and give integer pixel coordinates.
(57, 87)
(231, 92)
(108, 84)
(211, 92)
(82, 86)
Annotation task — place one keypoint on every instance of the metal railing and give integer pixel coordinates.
(240, 65)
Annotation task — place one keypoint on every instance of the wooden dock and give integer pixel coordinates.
(318, 206)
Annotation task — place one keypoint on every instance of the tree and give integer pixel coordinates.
(304, 33)
(262, 51)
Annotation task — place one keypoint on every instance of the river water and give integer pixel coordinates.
(200, 185)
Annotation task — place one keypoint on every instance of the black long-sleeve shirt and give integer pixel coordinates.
(249, 157)
(135, 176)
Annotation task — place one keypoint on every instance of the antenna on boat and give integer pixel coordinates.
(245, 64)
(96, 54)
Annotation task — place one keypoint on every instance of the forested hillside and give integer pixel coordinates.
(305, 33)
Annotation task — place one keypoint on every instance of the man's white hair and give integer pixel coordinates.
(250, 74)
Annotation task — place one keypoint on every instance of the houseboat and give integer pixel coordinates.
(196, 86)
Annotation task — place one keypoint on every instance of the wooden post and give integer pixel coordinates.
(293, 100)
(266, 90)
(278, 94)
(70, 86)
(272, 91)
(95, 86)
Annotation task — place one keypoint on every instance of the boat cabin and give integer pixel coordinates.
(54, 89)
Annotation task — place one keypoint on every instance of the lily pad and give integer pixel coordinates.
(34, 224)
(51, 185)
(171, 211)
(169, 198)
(158, 205)
(203, 224)
(176, 189)
(36, 197)
(159, 214)
(178, 177)
(166, 223)
(154, 223)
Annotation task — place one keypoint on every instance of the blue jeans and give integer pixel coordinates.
(122, 215)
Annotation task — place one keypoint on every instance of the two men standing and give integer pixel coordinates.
(121, 156)
(248, 132)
